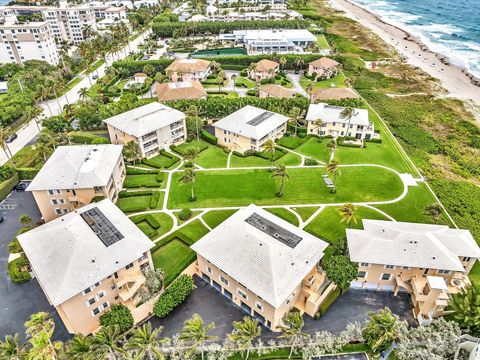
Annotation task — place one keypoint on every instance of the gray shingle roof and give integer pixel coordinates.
(77, 167)
(68, 257)
(262, 263)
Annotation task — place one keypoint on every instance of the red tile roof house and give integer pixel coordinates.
(264, 69)
(325, 68)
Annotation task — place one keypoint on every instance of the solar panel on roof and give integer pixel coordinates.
(270, 228)
(260, 118)
(101, 226)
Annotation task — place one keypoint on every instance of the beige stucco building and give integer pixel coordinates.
(188, 70)
(431, 262)
(325, 68)
(249, 128)
(74, 175)
(333, 123)
(88, 260)
(264, 69)
(153, 126)
(264, 265)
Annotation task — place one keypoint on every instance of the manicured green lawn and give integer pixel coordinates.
(285, 214)
(305, 185)
(224, 94)
(194, 231)
(180, 221)
(212, 157)
(322, 42)
(249, 84)
(288, 159)
(173, 258)
(134, 203)
(327, 224)
(316, 149)
(412, 207)
(165, 220)
(291, 142)
(215, 217)
(338, 81)
(161, 161)
(146, 180)
(305, 211)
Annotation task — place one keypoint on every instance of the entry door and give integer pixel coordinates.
(227, 294)
(246, 308)
(206, 278)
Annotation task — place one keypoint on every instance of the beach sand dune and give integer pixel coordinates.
(458, 83)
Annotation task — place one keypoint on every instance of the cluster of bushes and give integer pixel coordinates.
(18, 270)
(184, 214)
(7, 186)
(14, 245)
(172, 160)
(154, 200)
(139, 89)
(6, 172)
(310, 162)
(167, 29)
(208, 137)
(173, 295)
(126, 194)
(374, 140)
(118, 315)
(343, 142)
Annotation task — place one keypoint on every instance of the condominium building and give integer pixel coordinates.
(76, 174)
(248, 14)
(430, 262)
(272, 41)
(272, 3)
(88, 260)
(327, 120)
(188, 70)
(264, 265)
(323, 68)
(21, 42)
(153, 126)
(249, 128)
(264, 69)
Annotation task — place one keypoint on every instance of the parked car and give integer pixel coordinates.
(11, 137)
(1, 219)
(95, 77)
(21, 186)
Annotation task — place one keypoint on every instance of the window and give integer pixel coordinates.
(406, 267)
(101, 294)
(116, 297)
(54, 201)
(209, 269)
(362, 274)
(86, 291)
(58, 211)
(466, 258)
(105, 305)
(98, 283)
(223, 280)
(443, 271)
(385, 276)
(242, 294)
(129, 266)
(259, 306)
(113, 287)
(95, 312)
(365, 264)
(389, 267)
(90, 301)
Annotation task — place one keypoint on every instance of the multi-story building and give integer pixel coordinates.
(153, 126)
(264, 265)
(334, 123)
(431, 262)
(249, 128)
(323, 68)
(21, 42)
(264, 69)
(248, 14)
(88, 260)
(76, 174)
(188, 70)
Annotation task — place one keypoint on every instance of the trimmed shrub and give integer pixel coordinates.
(16, 270)
(160, 176)
(27, 173)
(133, 171)
(188, 164)
(97, 198)
(252, 92)
(311, 162)
(184, 214)
(152, 221)
(377, 141)
(208, 137)
(174, 295)
(118, 315)
(7, 186)
(125, 193)
(6, 172)
(100, 140)
(154, 200)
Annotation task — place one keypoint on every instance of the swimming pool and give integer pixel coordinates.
(219, 52)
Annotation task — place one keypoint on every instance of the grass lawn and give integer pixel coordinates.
(215, 217)
(247, 83)
(165, 220)
(291, 142)
(284, 214)
(180, 221)
(161, 161)
(322, 42)
(173, 258)
(223, 94)
(288, 159)
(134, 203)
(306, 211)
(338, 81)
(145, 180)
(212, 157)
(316, 149)
(327, 224)
(193, 231)
(411, 207)
(305, 185)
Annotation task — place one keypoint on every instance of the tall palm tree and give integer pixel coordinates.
(79, 347)
(269, 147)
(293, 329)
(105, 343)
(347, 214)
(299, 62)
(309, 91)
(282, 61)
(39, 322)
(333, 168)
(194, 111)
(195, 332)
(332, 145)
(11, 348)
(145, 343)
(4, 133)
(132, 152)
(245, 332)
(434, 211)
(44, 95)
(347, 114)
(234, 78)
(189, 177)
(281, 172)
(297, 116)
(83, 93)
(191, 154)
(318, 124)
(40, 329)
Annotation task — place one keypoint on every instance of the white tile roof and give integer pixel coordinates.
(145, 119)
(68, 257)
(411, 244)
(262, 263)
(289, 35)
(329, 114)
(77, 167)
(237, 122)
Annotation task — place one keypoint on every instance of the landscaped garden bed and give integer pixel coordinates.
(164, 160)
(145, 180)
(136, 201)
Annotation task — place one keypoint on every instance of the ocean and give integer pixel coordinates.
(449, 27)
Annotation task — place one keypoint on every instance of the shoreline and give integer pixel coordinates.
(458, 82)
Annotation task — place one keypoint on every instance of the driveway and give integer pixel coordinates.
(19, 301)
(295, 79)
(214, 307)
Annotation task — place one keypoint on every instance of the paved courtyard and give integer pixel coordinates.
(214, 307)
(19, 301)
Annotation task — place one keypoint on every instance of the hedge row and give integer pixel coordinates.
(174, 295)
(7, 186)
(134, 171)
(279, 152)
(125, 193)
(374, 140)
(182, 151)
(208, 137)
(27, 173)
(154, 201)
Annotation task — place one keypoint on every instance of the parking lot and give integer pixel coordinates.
(19, 301)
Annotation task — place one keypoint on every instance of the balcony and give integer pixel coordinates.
(178, 133)
(129, 282)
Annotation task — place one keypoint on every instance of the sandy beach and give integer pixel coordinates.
(459, 83)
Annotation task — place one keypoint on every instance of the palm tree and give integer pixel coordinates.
(281, 172)
(293, 329)
(299, 62)
(318, 124)
(332, 144)
(83, 93)
(145, 343)
(105, 343)
(194, 111)
(297, 116)
(189, 177)
(245, 332)
(196, 332)
(40, 329)
(79, 347)
(309, 91)
(282, 61)
(39, 322)
(434, 211)
(11, 349)
(4, 133)
(347, 114)
(234, 78)
(347, 214)
(44, 95)
(191, 154)
(132, 151)
(333, 167)
(382, 330)
(269, 147)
